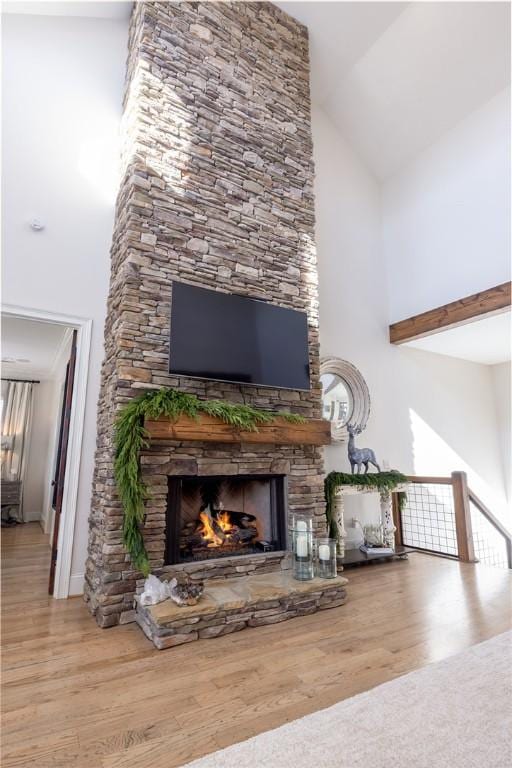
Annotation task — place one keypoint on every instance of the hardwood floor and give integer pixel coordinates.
(76, 696)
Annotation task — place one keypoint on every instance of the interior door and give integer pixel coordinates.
(62, 453)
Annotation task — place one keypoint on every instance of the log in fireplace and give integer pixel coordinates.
(219, 516)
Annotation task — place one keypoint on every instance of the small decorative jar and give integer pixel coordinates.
(326, 558)
(302, 547)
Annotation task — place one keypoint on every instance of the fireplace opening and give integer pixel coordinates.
(224, 516)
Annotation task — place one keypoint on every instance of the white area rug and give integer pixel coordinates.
(455, 713)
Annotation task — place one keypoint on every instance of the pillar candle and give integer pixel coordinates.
(302, 546)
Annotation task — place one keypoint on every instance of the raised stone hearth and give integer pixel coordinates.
(235, 604)
(217, 191)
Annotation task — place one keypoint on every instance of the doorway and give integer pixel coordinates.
(44, 375)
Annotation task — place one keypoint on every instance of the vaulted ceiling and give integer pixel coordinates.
(393, 77)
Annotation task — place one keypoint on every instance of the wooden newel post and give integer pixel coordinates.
(397, 519)
(463, 517)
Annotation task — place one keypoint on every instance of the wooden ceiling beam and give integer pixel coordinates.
(491, 301)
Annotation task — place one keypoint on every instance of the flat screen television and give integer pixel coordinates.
(226, 337)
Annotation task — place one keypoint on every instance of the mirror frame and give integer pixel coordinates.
(360, 395)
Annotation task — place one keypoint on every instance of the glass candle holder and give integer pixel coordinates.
(326, 558)
(302, 547)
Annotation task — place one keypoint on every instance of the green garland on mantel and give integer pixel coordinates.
(381, 481)
(131, 438)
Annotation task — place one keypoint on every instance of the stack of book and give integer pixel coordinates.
(369, 550)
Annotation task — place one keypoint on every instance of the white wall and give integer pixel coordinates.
(502, 387)
(446, 216)
(62, 92)
(431, 414)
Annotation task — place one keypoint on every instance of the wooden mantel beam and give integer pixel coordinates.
(210, 429)
(491, 301)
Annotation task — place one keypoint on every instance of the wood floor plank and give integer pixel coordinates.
(75, 696)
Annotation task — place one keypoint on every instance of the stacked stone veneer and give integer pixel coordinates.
(229, 608)
(217, 191)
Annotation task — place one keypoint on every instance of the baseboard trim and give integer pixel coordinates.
(76, 584)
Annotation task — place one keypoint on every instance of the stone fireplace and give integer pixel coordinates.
(217, 191)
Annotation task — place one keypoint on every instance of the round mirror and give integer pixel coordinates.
(345, 396)
(337, 399)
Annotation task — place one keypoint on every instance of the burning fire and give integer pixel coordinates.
(224, 522)
(215, 538)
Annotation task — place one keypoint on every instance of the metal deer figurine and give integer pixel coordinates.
(358, 456)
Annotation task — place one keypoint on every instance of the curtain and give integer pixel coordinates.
(16, 422)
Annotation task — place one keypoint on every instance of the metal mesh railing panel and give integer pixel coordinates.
(428, 518)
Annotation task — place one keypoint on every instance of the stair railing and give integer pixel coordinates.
(443, 516)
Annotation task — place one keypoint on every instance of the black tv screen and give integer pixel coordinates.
(233, 338)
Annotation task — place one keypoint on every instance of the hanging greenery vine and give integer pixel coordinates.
(131, 438)
(381, 481)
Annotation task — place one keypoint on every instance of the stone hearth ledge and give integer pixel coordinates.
(230, 605)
